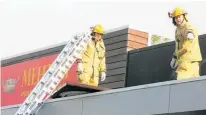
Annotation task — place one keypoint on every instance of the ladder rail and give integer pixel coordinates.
(53, 76)
(45, 77)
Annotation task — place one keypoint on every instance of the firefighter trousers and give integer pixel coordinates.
(89, 78)
(186, 70)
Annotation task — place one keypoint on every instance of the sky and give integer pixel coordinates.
(27, 25)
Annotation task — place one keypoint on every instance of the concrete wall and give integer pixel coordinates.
(158, 98)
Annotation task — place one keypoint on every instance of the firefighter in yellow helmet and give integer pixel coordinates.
(187, 55)
(91, 63)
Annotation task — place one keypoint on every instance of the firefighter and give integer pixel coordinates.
(91, 63)
(187, 55)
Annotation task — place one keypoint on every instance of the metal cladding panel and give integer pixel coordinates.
(118, 45)
(149, 66)
(117, 52)
(116, 71)
(136, 102)
(116, 33)
(203, 51)
(116, 58)
(116, 65)
(116, 39)
(114, 85)
(9, 111)
(71, 107)
(189, 96)
(185, 96)
(114, 78)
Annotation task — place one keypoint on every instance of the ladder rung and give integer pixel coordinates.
(54, 74)
(40, 86)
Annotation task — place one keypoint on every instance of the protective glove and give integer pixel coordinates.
(173, 63)
(103, 76)
(79, 68)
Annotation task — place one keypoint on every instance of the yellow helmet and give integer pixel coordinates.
(177, 12)
(98, 29)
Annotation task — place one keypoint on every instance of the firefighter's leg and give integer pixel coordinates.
(94, 81)
(85, 77)
(186, 70)
(196, 68)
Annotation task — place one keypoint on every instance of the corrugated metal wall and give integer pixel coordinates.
(117, 44)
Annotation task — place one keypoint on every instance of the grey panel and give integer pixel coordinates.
(72, 107)
(118, 45)
(114, 78)
(116, 39)
(135, 102)
(114, 85)
(188, 96)
(144, 67)
(9, 111)
(116, 65)
(116, 58)
(139, 100)
(116, 33)
(116, 52)
(116, 71)
(203, 36)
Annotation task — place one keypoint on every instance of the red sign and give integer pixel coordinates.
(19, 79)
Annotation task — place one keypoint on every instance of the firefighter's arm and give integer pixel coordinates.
(79, 64)
(103, 58)
(190, 34)
(103, 69)
(174, 57)
(176, 48)
(182, 52)
(79, 58)
(103, 64)
(175, 52)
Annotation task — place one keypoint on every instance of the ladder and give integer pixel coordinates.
(56, 72)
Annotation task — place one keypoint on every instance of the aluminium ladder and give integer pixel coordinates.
(56, 72)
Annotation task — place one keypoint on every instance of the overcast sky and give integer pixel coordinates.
(26, 25)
